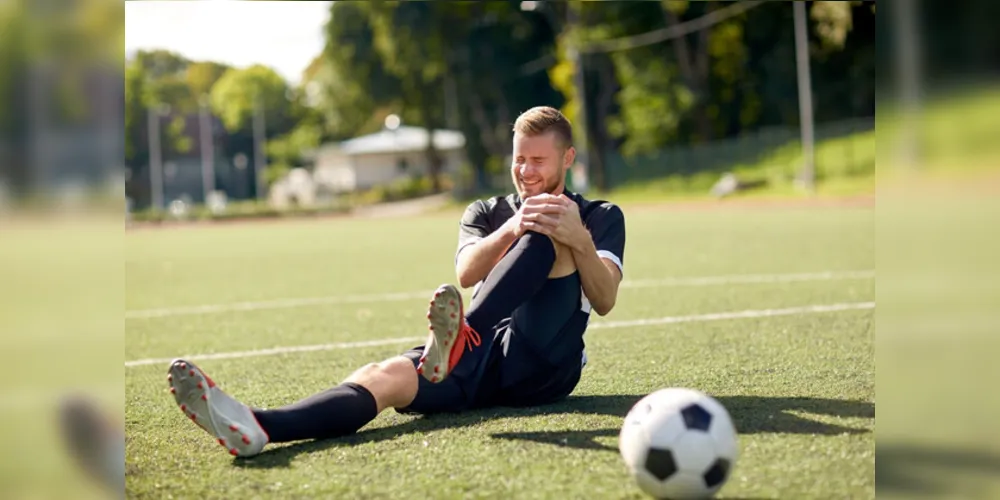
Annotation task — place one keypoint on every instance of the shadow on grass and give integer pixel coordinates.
(751, 415)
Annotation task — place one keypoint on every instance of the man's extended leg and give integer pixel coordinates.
(335, 412)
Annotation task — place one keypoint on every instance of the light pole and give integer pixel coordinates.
(156, 154)
(207, 149)
(258, 146)
(805, 95)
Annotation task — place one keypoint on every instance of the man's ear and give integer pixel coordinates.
(569, 156)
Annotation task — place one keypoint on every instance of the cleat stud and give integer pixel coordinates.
(222, 442)
(429, 315)
(170, 378)
(204, 397)
(173, 390)
(194, 417)
(420, 370)
(453, 315)
(446, 343)
(246, 440)
(452, 303)
(232, 428)
(183, 366)
(200, 386)
(434, 378)
(191, 373)
(437, 369)
(233, 452)
(184, 408)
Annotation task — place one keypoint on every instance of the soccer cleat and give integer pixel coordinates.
(230, 422)
(449, 335)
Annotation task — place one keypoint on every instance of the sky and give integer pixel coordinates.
(283, 35)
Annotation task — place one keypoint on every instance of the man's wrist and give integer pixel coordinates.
(509, 233)
(582, 242)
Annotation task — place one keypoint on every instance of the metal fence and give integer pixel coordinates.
(717, 157)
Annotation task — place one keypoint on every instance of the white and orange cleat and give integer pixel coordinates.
(449, 335)
(231, 423)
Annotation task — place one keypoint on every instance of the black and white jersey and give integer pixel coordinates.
(603, 219)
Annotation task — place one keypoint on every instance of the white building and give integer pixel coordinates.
(383, 157)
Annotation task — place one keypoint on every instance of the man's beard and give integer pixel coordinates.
(551, 188)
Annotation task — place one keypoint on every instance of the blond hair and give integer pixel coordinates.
(542, 119)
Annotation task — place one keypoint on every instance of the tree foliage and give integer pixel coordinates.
(475, 66)
(237, 93)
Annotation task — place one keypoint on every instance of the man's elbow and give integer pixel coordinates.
(603, 309)
(464, 275)
(465, 281)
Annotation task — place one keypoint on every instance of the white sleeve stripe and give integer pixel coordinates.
(604, 254)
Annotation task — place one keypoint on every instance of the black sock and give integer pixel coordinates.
(336, 412)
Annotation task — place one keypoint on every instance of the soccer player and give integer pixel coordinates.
(541, 259)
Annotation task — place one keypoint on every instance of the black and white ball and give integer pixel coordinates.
(679, 443)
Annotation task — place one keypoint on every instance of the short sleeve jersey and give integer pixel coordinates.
(604, 220)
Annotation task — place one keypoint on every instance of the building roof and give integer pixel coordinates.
(402, 139)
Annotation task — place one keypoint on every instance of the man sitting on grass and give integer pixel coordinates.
(541, 260)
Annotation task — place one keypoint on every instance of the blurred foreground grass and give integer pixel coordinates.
(938, 294)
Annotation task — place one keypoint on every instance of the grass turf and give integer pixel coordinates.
(801, 388)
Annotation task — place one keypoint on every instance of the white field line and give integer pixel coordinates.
(759, 313)
(401, 296)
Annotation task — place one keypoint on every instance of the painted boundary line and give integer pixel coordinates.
(401, 296)
(759, 313)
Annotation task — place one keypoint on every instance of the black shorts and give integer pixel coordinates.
(515, 368)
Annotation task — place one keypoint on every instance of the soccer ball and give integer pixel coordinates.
(679, 443)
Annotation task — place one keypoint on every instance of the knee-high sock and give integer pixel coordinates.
(336, 412)
(513, 281)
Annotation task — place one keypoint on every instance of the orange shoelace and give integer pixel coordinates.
(472, 338)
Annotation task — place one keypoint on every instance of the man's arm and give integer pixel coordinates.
(599, 276)
(476, 261)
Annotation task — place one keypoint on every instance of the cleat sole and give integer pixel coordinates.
(445, 317)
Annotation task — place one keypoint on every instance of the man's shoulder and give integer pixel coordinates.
(494, 203)
(597, 208)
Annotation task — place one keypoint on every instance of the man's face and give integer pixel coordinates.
(540, 164)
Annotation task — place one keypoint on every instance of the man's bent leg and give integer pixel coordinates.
(513, 281)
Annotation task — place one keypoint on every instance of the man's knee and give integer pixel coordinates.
(392, 382)
(563, 263)
(537, 242)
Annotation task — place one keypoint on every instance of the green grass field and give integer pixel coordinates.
(800, 385)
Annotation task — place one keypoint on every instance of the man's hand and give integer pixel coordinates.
(555, 216)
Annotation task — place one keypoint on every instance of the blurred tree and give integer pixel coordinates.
(135, 112)
(411, 40)
(235, 95)
(833, 22)
(350, 81)
(200, 76)
(486, 60)
(162, 63)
